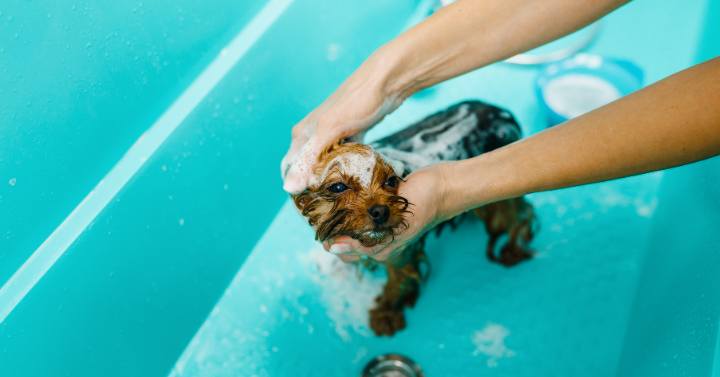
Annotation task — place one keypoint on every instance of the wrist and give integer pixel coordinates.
(448, 195)
(395, 78)
(472, 183)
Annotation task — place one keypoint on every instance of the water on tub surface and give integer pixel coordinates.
(293, 310)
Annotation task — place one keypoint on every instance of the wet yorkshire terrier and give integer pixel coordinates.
(356, 195)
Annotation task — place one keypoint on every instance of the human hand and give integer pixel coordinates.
(424, 189)
(358, 104)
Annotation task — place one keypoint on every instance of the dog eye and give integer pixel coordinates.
(392, 182)
(337, 187)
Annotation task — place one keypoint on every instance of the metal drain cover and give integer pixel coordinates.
(392, 365)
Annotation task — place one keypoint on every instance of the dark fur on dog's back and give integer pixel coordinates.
(483, 128)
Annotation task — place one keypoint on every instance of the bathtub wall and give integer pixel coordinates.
(673, 330)
(80, 82)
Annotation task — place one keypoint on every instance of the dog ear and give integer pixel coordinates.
(329, 150)
(306, 204)
(302, 199)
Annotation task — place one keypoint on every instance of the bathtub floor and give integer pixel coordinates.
(292, 310)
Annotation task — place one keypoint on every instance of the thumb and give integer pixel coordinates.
(298, 163)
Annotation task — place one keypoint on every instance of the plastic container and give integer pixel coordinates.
(577, 85)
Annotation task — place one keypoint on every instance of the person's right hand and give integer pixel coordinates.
(358, 104)
(425, 189)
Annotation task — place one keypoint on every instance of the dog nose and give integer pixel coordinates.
(379, 213)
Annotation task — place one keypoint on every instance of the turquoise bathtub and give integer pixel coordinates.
(143, 231)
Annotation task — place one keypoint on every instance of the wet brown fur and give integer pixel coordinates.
(332, 215)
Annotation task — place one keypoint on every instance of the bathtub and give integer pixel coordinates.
(143, 231)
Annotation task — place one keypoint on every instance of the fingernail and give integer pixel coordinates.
(339, 249)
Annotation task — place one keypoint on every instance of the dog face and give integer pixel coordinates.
(354, 193)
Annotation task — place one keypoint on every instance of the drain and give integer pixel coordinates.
(392, 365)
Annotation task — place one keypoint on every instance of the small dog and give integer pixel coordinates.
(355, 193)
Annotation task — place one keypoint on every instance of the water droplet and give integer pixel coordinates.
(12, 181)
(333, 52)
(181, 221)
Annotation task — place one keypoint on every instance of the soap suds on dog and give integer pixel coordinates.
(490, 342)
(446, 140)
(360, 166)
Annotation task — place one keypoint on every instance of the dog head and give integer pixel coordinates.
(354, 193)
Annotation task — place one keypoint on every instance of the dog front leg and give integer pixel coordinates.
(401, 290)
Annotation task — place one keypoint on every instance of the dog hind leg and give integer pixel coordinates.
(514, 217)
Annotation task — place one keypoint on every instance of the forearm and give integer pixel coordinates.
(470, 34)
(670, 123)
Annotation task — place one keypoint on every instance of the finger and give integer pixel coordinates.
(341, 249)
(390, 250)
(289, 158)
(299, 136)
(355, 245)
(298, 166)
(349, 258)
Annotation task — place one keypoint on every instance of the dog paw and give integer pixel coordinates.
(511, 255)
(385, 321)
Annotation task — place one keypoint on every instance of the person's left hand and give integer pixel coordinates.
(424, 190)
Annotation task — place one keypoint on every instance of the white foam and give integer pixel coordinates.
(299, 168)
(451, 138)
(445, 145)
(490, 342)
(396, 164)
(400, 159)
(346, 295)
(575, 94)
(296, 168)
(358, 165)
